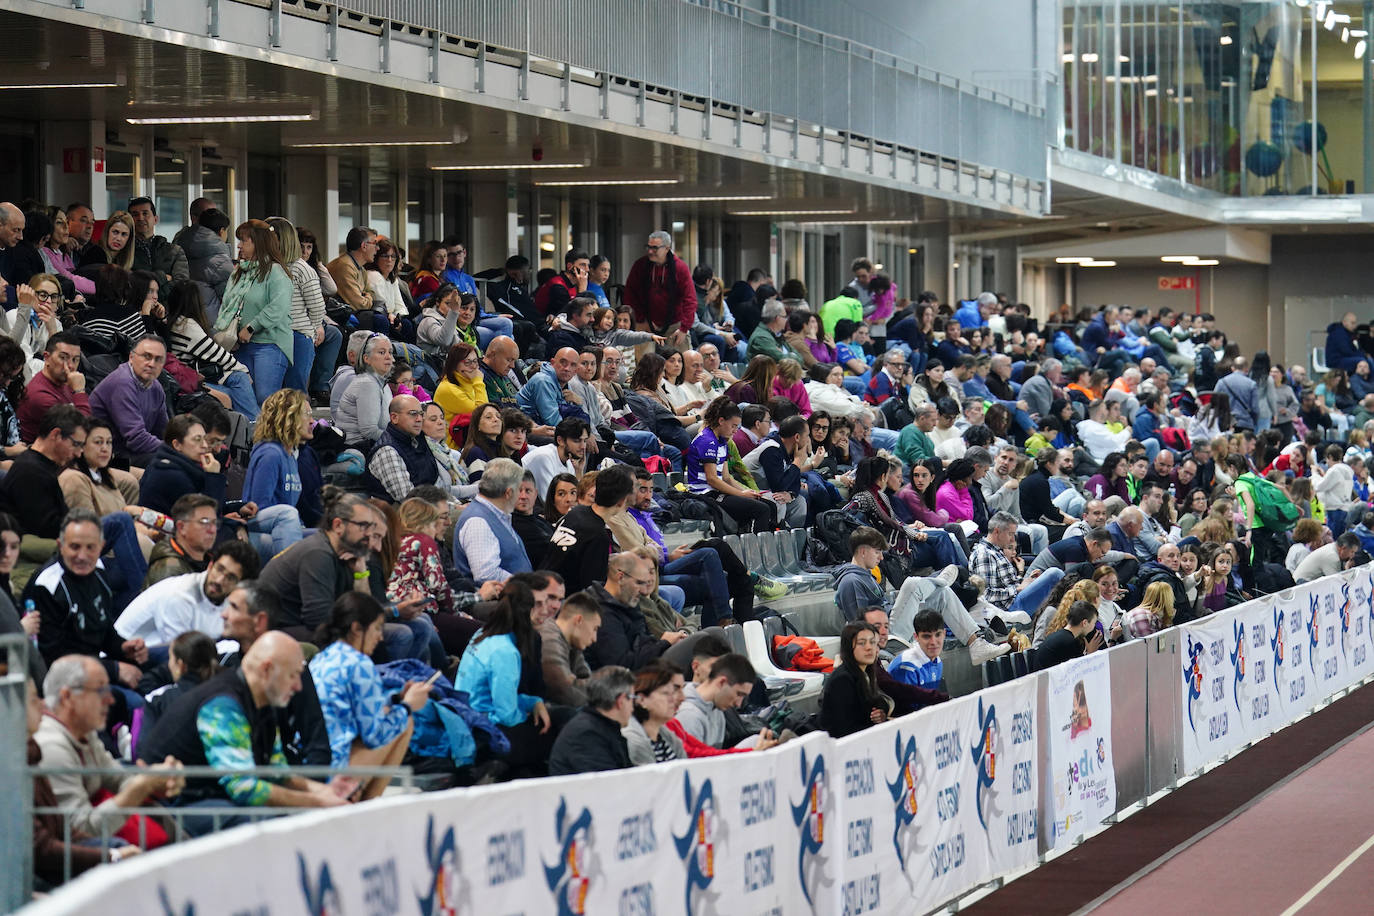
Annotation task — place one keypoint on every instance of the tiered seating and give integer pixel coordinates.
(1008, 667)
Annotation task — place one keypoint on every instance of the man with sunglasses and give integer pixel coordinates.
(660, 292)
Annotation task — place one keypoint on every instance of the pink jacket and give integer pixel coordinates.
(957, 503)
(61, 263)
(796, 394)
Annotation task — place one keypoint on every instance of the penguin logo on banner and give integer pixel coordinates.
(1277, 645)
(808, 813)
(698, 844)
(445, 893)
(168, 910)
(1238, 661)
(321, 898)
(984, 749)
(904, 790)
(1314, 628)
(1192, 678)
(570, 878)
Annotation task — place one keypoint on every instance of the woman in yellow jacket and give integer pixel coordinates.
(462, 389)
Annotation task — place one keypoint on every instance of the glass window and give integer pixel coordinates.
(264, 186)
(381, 201)
(420, 222)
(19, 153)
(217, 183)
(121, 178)
(350, 203)
(169, 184)
(548, 248)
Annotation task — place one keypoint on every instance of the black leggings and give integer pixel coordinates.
(748, 514)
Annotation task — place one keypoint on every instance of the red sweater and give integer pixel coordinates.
(696, 748)
(42, 393)
(662, 294)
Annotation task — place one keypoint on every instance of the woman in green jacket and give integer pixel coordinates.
(259, 297)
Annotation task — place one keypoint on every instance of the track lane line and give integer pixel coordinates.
(1331, 876)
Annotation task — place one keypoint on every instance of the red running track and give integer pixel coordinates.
(1306, 846)
(1252, 836)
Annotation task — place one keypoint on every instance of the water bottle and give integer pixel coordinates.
(29, 608)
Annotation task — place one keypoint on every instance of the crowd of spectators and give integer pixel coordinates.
(356, 474)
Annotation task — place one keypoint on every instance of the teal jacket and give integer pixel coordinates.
(266, 307)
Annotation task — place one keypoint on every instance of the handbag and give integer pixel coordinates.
(226, 332)
(228, 337)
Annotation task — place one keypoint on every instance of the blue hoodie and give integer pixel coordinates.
(273, 477)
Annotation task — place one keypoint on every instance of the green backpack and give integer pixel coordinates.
(1276, 512)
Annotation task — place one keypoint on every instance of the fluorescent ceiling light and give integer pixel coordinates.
(1098, 264)
(1072, 260)
(1225, 39)
(699, 198)
(1178, 258)
(602, 182)
(449, 137)
(1202, 262)
(503, 166)
(162, 114)
(796, 212)
(895, 221)
(78, 84)
(1089, 58)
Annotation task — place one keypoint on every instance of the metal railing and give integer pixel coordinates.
(722, 52)
(176, 817)
(16, 817)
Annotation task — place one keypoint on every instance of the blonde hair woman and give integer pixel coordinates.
(272, 481)
(1085, 590)
(1155, 613)
(117, 241)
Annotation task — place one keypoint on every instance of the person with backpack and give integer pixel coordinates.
(1268, 513)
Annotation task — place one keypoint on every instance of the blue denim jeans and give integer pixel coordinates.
(702, 578)
(937, 551)
(884, 438)
(856, 384)
(128, 569)
(427, 645)
(267, 364)
(326, 358)
(302, 361)
(676, 597)
(492, 327)
(274, 529)
(1032, 596)
(239, 387)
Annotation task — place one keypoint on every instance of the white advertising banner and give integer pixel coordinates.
(1080, 781)
(935, 804)
(902, 817)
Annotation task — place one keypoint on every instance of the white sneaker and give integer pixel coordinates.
(947, 576)
(1017, 617)
(980, 651)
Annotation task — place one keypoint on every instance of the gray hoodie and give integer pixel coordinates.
(700, 719)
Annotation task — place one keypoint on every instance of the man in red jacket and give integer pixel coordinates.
(59, 382)
(660, 293)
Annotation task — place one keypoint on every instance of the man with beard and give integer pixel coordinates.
(307, 577)
(190, 602)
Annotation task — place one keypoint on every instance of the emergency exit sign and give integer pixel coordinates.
(1168, 283)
